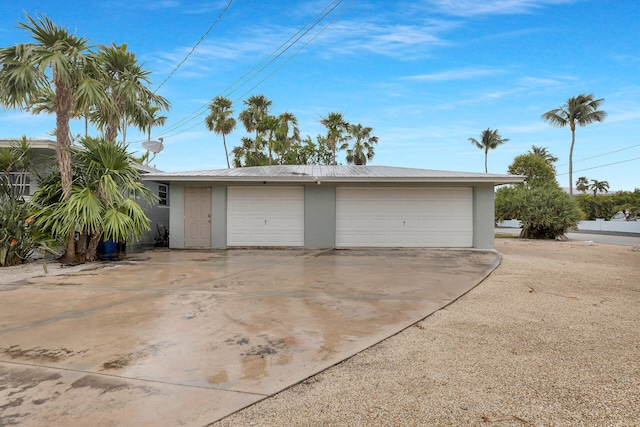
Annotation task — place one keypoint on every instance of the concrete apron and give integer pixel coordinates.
(188, 337)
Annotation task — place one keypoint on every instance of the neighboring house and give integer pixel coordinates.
(331, 207)
(43, 158)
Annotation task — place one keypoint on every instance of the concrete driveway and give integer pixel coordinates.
(187, 337)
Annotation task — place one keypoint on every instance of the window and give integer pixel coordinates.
(20, 184)
(163, 195)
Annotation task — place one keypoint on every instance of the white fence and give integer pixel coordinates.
(610, 226)
(597, 225)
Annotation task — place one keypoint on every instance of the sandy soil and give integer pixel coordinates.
(37, 268)
(551, 338)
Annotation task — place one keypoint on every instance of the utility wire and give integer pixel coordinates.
(602, 155)
(601, 166)
(194, 47)
(318, 18)
(202, 109)
(298, 51)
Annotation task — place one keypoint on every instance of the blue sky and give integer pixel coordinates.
(426, 75)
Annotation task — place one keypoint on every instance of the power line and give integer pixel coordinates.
(202, 109)
(194, 47)
(601, 166)
(298, 51)
(281, 46)
(277, 52)
(602, 155)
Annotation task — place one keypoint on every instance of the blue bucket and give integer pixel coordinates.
(107, 247)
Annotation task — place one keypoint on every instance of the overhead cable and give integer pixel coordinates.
(270, 59)
(194, 47)
(296, 52)
(602, 155)
(601, 166)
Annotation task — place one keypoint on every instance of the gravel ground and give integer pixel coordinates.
(551, 338)
(36, 268)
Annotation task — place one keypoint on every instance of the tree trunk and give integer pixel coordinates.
(486, 170)
(69, 255)
(80, 245)
(63, 106)
(226, 153)
(111, 133)
(573, 140)
(92, 250)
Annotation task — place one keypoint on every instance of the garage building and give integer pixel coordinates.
(315, 206)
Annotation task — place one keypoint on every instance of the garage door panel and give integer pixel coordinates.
(265, 216)
(404, 217)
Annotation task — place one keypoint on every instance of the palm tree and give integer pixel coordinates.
(220, 121)
(599, 186)
(59, 62)
(336, 129)
(582, 184)
(268, 127)
(149, 118)
(542, 152)
(103, 200)
(249, 153)
(489, 140)
(258, 107)
(287, 134)
(126, 86)
(580, 110)
(362, 148)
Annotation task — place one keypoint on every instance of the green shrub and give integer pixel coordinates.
(18, 239)
(605, 206)
(542, 207)
(545, 212)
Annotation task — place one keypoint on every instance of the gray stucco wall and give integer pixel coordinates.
(319, 216)
(483, 217)
(155, 213)
(219, 216)
(176, 225)
(319, 212)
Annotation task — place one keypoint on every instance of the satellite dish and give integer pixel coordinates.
(153, 147)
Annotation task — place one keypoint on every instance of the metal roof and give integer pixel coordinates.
(50, 144)
(45, 143)
(321, 173)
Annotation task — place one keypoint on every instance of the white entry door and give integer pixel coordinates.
(197, 217)
(404, 217)
(265, 216)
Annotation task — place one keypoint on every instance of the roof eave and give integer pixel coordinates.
(500, 180)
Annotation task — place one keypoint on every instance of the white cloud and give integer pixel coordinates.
(538, 82)
(202, 8)
(468, 8)
(622, 116)
(399, 41)
(460, 74)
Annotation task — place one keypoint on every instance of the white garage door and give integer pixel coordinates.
(404, 217)
(265, 216)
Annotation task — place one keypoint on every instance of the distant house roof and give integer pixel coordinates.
(38, 143)
(50, 144)
(315, 173)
